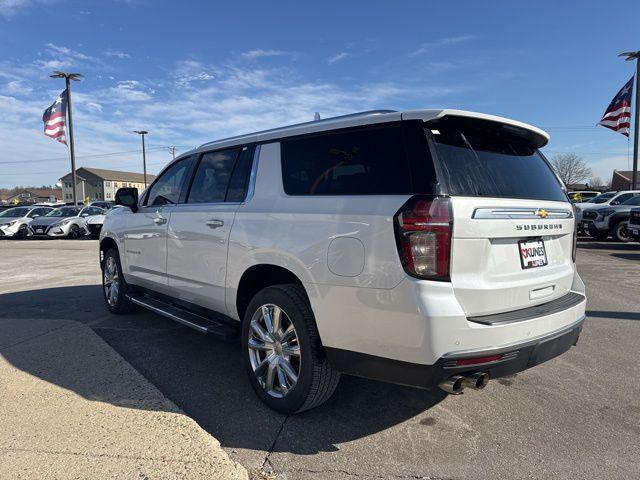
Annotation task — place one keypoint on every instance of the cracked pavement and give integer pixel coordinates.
(577, 416)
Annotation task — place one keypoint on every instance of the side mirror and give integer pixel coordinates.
(128, 197)
(615, 202)
(35, 216)
(85, 214)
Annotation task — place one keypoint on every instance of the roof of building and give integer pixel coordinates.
(40, 192)
(115, 175)
(624, 173)
(537, 136)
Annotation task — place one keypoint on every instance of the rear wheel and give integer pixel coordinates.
(621, 232)
(282, 352)
(114, 287)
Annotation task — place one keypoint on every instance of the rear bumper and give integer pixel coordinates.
(513, 359)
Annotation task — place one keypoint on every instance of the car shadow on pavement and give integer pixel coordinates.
(202, 375)
(599, 245)
(609, 314)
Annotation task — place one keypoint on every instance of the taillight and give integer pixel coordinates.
(423, 235)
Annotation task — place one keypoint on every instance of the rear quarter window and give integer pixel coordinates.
(365, 161)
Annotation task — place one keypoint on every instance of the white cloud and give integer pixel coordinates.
(117, 54)
(338, 57)
(429, 46)
(130, 91)
(10, 7)
(55, 50)
(17, 87)
(188, 71)
(259, 53)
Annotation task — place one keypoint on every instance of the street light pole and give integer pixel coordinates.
(630, 56)
(68, 77)
(142, 133)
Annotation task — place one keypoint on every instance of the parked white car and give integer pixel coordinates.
(14, 222)
(95, 222)
(426, 248)
(69, 221)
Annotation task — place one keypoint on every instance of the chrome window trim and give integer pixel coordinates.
(251, 188)
(519, 213)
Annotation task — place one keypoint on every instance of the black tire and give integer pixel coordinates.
(119, 303)
(22, 232)
(316, 380)
(74, 232)
(620, 232)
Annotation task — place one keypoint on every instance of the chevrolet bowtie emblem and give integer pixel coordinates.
(542, 213)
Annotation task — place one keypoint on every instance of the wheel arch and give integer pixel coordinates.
(105, 245)
(258, 277)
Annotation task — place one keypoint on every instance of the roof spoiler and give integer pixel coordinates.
(539, 138)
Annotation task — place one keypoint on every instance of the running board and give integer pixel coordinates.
(197, 322)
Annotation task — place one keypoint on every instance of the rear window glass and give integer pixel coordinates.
(480, 164)
(349, 162)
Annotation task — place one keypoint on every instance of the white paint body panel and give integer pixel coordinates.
(343, 250)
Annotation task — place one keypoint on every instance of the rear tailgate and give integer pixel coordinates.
(497, 263)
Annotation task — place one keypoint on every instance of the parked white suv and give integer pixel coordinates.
(426, 248)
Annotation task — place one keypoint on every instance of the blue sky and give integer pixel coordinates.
(191, 72)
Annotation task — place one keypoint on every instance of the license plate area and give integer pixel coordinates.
(533, 253)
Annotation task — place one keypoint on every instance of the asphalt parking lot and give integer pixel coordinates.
(577, 416)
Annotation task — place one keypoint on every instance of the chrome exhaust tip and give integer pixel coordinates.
(453, 385)
(477, 381)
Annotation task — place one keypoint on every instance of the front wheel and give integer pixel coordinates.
(114, 287)
(74, 232)
(282, 352)
(621, 232)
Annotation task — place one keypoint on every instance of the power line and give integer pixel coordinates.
(96, 155)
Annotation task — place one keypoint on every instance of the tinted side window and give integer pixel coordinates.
(237, 190)
(624, 197)
(166, 189)
(212, 177)
(350, 162)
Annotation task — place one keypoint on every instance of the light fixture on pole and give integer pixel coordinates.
(76, 78)
(630, 56)
(142, 133)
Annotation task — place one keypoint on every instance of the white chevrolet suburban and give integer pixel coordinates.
(425, 248)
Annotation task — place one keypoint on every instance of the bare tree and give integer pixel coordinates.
(571, 168)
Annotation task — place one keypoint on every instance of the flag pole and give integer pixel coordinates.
(634, 174)
(71, 146)
(629, 56)
(68, 77)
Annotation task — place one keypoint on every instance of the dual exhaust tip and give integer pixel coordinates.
(456, 384)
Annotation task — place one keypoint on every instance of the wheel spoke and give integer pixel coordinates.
(289, 371)
(258, 331)
(271, 375)
(289, 333)
(257, 345)
(266, 315)
(262, 367)
(291, 350)
(282, 380)
(276, 320)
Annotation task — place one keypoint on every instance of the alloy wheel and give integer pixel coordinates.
(111, 281)
(274, 350)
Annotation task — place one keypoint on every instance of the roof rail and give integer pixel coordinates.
(328, 119)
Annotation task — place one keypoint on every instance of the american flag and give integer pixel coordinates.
(55, 119)
(617, 116)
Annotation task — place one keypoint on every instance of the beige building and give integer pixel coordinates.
(100, 184)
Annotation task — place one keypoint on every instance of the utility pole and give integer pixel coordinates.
(142, 133)
(172, 151)
(68, 77)
(630, 56)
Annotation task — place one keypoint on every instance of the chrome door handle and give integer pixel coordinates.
(159, 221)
(214, 223)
